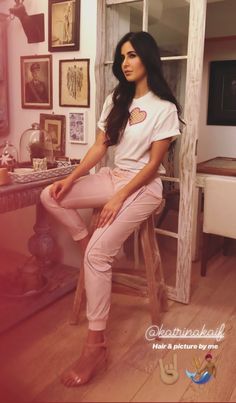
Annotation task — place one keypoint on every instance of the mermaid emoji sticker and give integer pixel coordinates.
(202, 375)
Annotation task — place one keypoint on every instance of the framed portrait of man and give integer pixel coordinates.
(36, 82)
(63, 25)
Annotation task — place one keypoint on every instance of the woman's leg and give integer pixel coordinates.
(103, 246)
(88, 191)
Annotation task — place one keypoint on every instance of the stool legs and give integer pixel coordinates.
(155, 286)
(155, 280)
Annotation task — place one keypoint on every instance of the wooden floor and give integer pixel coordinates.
(35, 353)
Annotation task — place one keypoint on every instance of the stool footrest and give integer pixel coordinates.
(130, 281)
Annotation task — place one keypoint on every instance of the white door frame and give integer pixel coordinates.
(187, 156)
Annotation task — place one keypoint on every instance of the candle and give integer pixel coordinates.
(4, 177)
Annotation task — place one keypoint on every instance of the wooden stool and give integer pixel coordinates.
(146, 283)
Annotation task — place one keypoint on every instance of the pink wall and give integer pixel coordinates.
(16, 227)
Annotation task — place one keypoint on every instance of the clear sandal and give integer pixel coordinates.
(96, 364)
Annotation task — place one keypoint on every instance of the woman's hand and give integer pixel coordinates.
(110, 211)
(60, 188)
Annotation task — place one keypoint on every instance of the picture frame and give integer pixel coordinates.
(2, 50)
(78, 127)
(36, 82)
(222, 93)
(63, 25)
(56, 126)
(74, 83)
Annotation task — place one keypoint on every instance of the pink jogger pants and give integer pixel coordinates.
(95, 191)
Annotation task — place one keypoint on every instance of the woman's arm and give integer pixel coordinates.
(157, 153)
(91, 158)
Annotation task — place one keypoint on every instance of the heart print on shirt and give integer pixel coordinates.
(137, 116)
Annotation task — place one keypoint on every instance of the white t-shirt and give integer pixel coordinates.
(151, 119)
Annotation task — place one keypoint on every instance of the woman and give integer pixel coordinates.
(141, 118)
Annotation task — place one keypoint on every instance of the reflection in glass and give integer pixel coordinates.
(122, 18)
(168, 22)
(110, 80)
(229, 92)
(175, 74)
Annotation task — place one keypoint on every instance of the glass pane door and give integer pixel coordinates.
(168, 22)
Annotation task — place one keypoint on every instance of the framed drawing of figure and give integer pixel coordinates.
(2, 47)
(63, 25)
(36, 82)
(74, 83)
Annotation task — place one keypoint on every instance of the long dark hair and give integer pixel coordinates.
(146, 48)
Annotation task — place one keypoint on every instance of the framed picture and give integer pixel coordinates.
(78, 127)
(63, 25)
(74, 83)
(36, 82)
(2, 50)
(222, 93)
(56, 126)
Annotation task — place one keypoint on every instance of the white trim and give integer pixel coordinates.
(169, 179)
(194, 57)
(187, 155)
(185, 57)
(114, 2)
(167, 233)
(145, 15)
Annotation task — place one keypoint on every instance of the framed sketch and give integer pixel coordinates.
(74, 83)
(36, 82)
(222, 93)
(56, 126)
(78, 127)
(2, 50)
(63, 25)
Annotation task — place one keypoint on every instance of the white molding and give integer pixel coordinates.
(184, 57)
(114, 2)
(167, 233)
(187, 155)
(145, 15)
(187, 158)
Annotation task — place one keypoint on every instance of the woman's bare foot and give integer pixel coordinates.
(92, 360)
